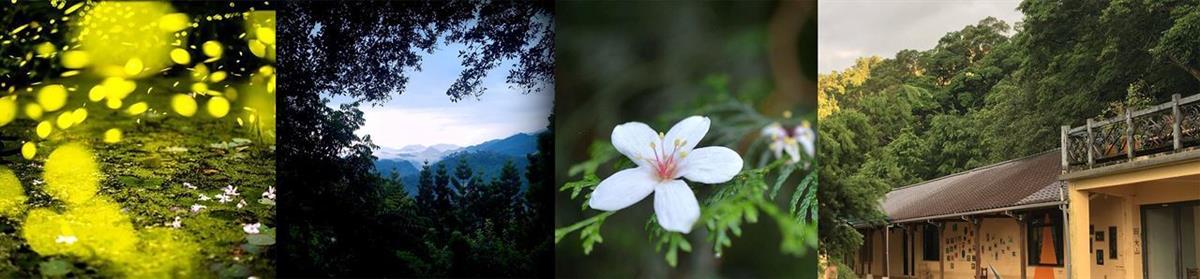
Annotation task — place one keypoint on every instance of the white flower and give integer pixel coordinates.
(197, 207)
(189, 186)
(222, 198)
(68, 239)
(230, 190)
(204, 197)
(251, 228)
(661, 160)
(241, 204)
(176, 223)
(269, 194)
(784, 140)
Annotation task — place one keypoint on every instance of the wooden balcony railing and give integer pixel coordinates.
(1160, 129)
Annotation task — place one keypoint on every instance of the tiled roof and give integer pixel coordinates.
(1024, 181)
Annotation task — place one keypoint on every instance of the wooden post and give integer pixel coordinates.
(1088, 145)
(1177, 120)
(1065, 146)
(887, 251)
(975, 223)
(941, 253)
(1024, 232)
(1128, 133)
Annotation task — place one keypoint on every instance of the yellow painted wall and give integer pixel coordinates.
(1109, 211)
(1000, 244)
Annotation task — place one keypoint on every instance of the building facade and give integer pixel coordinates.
(1119, 199)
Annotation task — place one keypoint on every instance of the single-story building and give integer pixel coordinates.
(1119, 199)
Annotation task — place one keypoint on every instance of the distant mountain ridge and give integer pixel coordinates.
(486, 158)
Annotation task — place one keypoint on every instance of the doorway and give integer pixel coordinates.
(1171, 233)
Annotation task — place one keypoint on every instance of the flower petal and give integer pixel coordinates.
(675, 206)
(774, 131)
(623, 189)
(633, 139)
(688, 131)
(714, 164)
(793, 150)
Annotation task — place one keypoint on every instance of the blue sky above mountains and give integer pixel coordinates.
(424, 115)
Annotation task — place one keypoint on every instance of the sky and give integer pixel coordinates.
(849, 29)
(424, 115)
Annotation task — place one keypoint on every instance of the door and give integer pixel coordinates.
(1170, 237)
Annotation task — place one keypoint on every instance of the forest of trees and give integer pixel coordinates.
(342, 218)
(990, 92)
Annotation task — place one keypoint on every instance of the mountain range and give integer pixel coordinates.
(486, 158)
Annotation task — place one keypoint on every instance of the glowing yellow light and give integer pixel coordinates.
(173, 22)
(65, 120)
(8, 110)
(138, 108)
(180, 56)
(271, 85)
(33, 111)
(52, 97)
(97, 93)
(12, 194)
(28, 150)
(71, 174)
(218, 107)
(199, 72)
(113, 103)
(45, 49)
(266, 70)
(258, 48)
(44, 128)
(266, 35)
(200, 87)
(212, 49)
(217, 76)
(134, 66)
(114, 28)
(75, 59)
(112, 135)
(231, 93)
(183, 104)
(80, 115)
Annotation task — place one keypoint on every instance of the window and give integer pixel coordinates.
(1045, 234)
(931, 243)
(1112, 242)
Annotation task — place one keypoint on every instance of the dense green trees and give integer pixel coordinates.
(991, 92)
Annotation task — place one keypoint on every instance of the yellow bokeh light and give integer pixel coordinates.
(199, 72)
(28, 150)
(8, 110)
(218, 107)
(45, 49)
(80, 115)
(33, 111)
(44, 128)
(112, 135)
(266, 35)
(184, 105)
(137, 109)
(173, 22)
(113, 103)
(75, 59)
(65, 120)
(217, 76)
(181, 56)
(134, 66)
(52, 97)
(97, 93)
(12, 194)
(258, 48)
(113, 28)
(200, 87)
(71, 174)
(212, 49)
